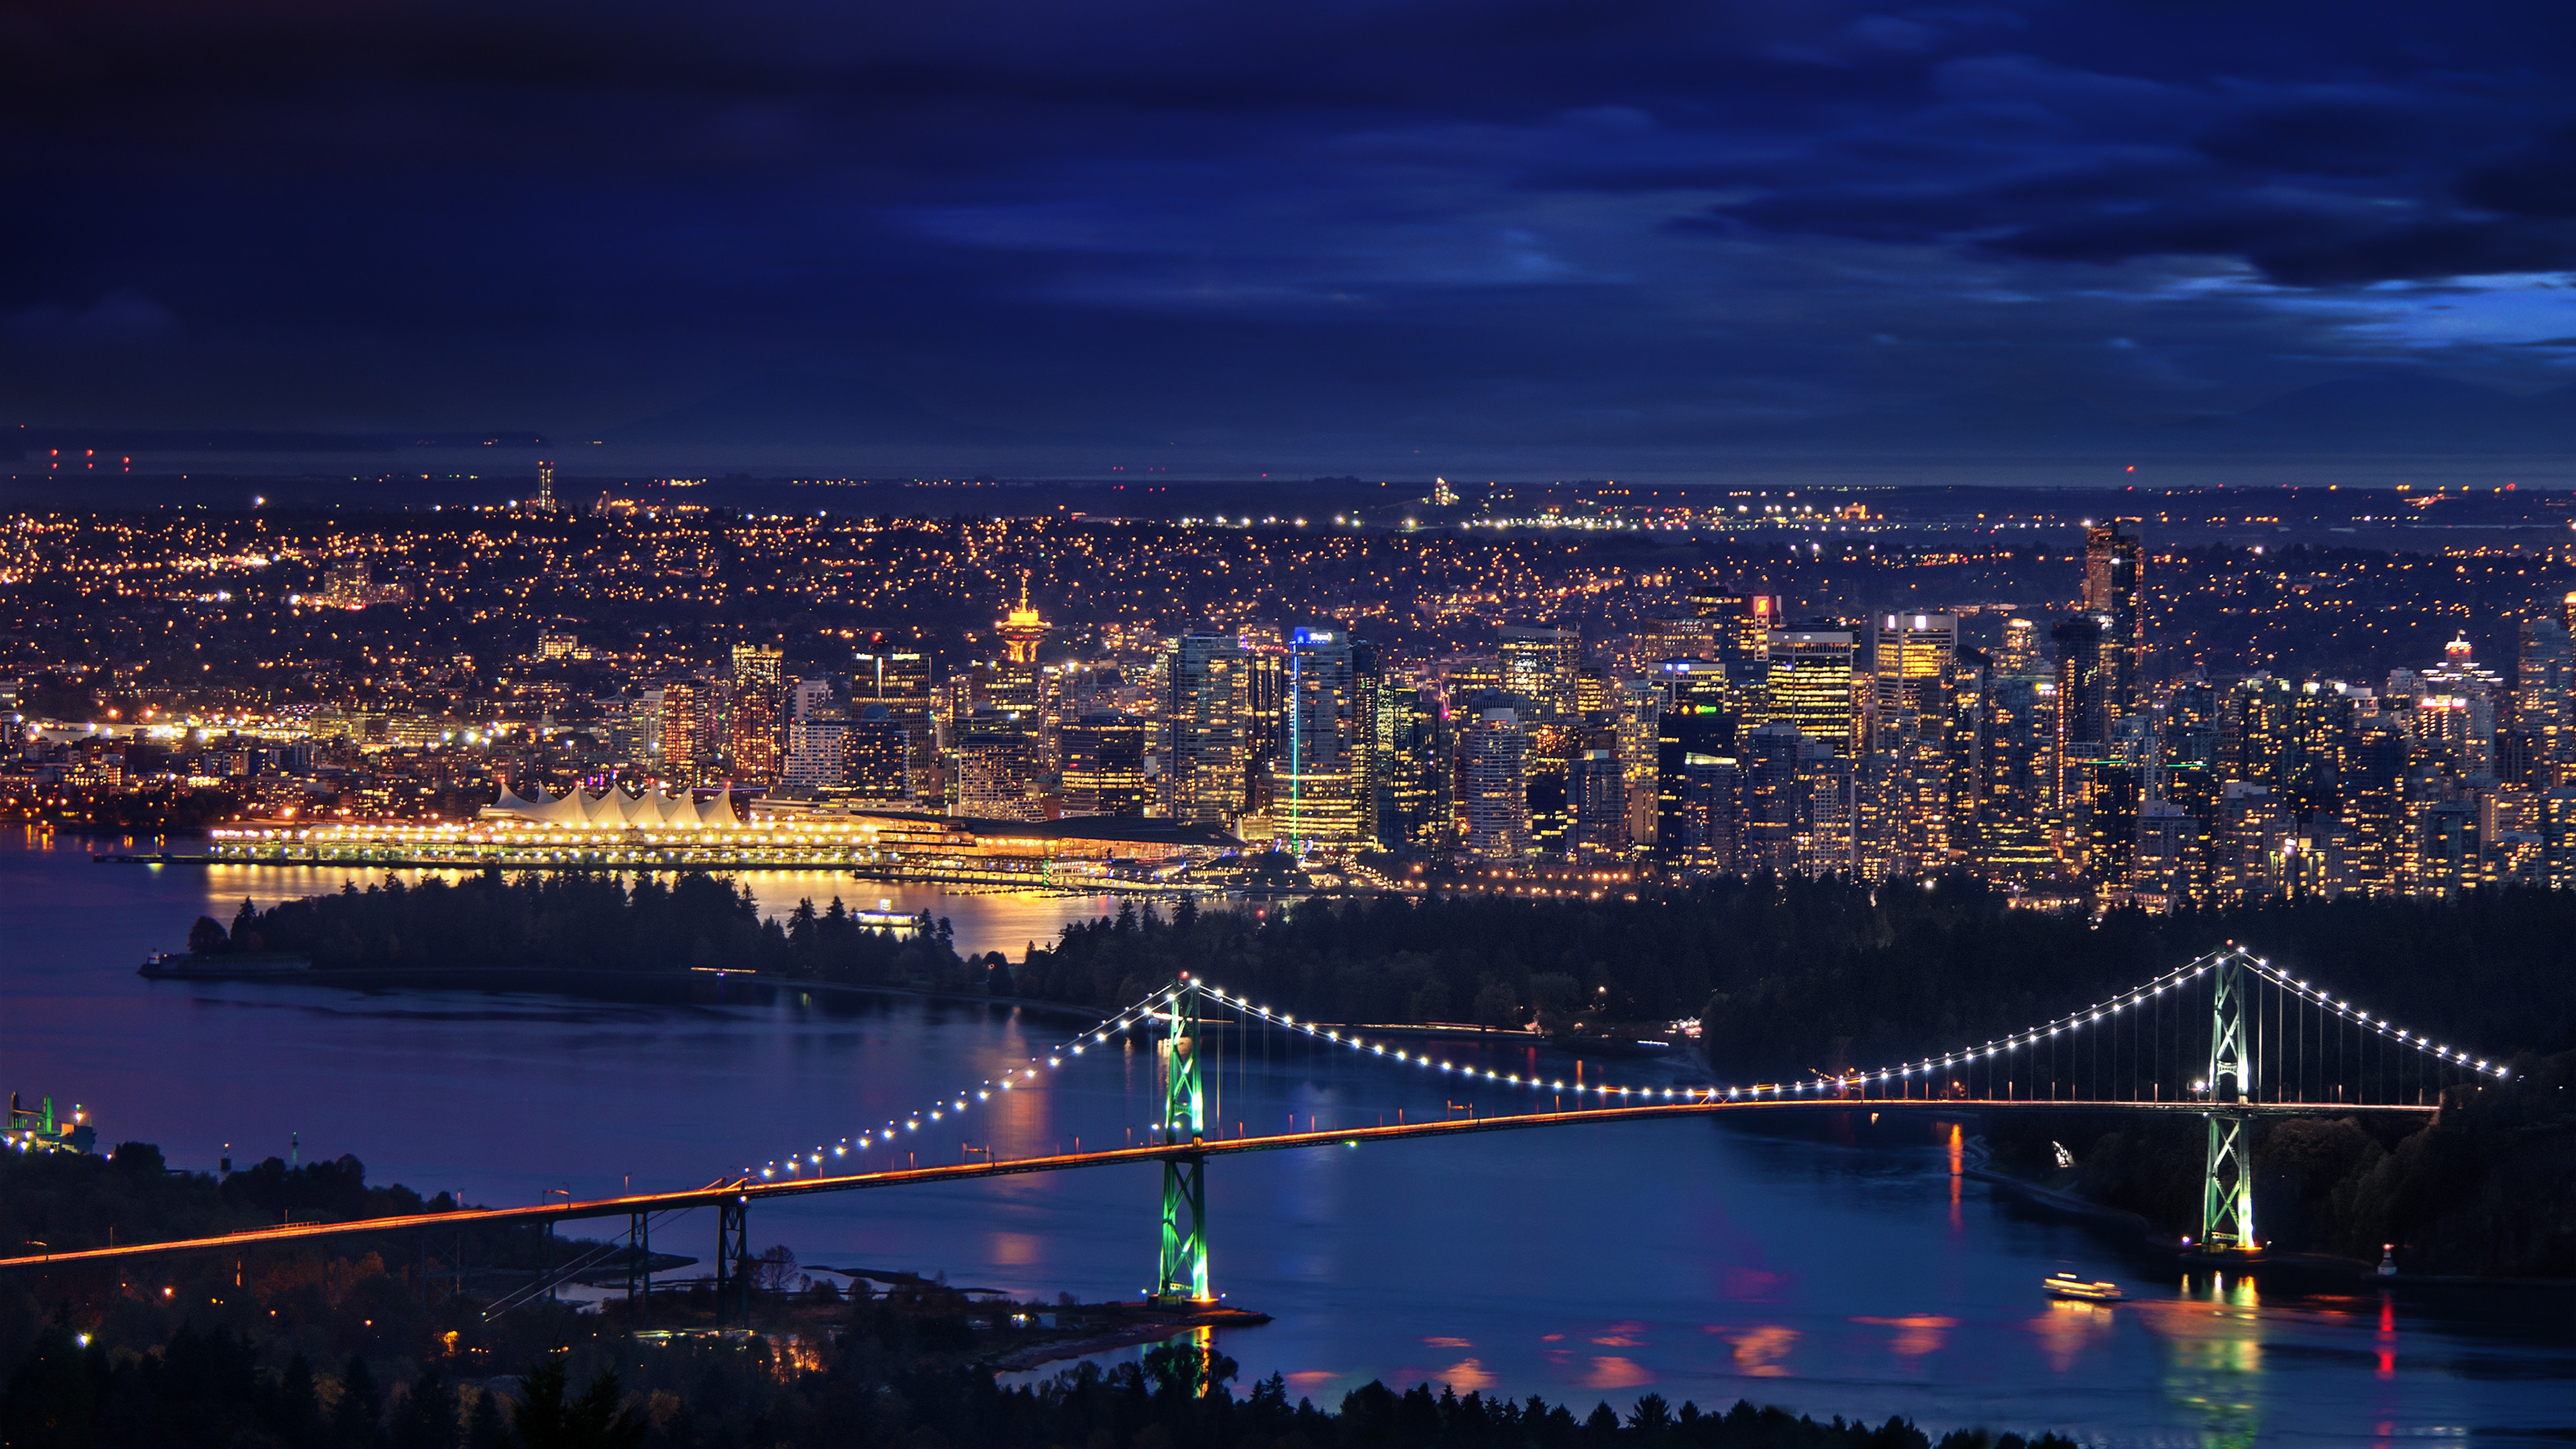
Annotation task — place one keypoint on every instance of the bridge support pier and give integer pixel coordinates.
(639, 1269)
(733, 1252)
(2227, 1188)
(1184, 1275)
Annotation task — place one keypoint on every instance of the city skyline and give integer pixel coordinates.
(1873, 686)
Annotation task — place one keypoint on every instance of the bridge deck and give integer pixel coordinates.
(747, 1191)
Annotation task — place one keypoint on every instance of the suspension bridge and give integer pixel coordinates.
(2228, 1037)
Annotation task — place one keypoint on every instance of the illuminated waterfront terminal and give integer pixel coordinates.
(619, 831)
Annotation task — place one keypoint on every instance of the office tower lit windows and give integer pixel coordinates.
(1204, 746)
(1312, 798)
(1809, 685)
(1539, 665)
(758, 728)
(1493, 790)
(1104, 766)
(2115, 590)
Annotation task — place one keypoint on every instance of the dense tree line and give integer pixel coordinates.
(68, 1202)
(587, 922)
(1793, 975)
(226, 1389)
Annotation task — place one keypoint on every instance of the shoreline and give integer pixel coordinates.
(543, 978)
(2329, 1265)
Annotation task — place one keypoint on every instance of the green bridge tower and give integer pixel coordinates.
(1184, 1274)
(2227, 1188)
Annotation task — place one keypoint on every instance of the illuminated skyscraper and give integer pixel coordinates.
(2020, 655)
(1417, 772)
(1739, 625)
(2085, 707)
(1493, 792)
(817, 751)
(1312, 797)
(758, 731)
(545, 499)
(2542, 703)
(688, 752)
(1539, 665)
(1913, 657)
(1598, 808)
(1203, 724)
(2115, 588)
(876, 758)
(2016, 778)
(1810, 685)
(1104, 766)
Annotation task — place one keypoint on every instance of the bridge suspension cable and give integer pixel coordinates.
(2137, 1045)
(957, 1103)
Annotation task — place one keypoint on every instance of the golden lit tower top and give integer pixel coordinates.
(1022, 629)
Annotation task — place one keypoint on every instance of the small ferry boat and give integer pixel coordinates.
(2067, 1285)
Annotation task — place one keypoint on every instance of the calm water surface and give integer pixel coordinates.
(1847, 1270)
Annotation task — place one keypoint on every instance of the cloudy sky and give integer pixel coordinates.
(1571, 230)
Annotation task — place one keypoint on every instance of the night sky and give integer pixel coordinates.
(1559, 235)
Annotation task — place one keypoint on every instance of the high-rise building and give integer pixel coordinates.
(997, 767)
(817, 752)
(2085, 707)
(1372, 735)
(1313, 800)
(2016, 779)
(2460, 677)
(688, 748)
(2020, 655)
(1204, 746)
(1635, 716)
(899, 679)
(876, 760)
(1415, 784)
(1104, 766)
(2544, 710)
(758, 731)
(2115, 588)
(1768, 764)
(1739, 625)
(1539, 665)
(1493, 792)
(811, 698)
(1598, 810)
(545, 499)
(1913, 659)
(1694, 738)
(1809, 685)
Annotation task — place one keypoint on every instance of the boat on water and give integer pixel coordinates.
(2067, 1285)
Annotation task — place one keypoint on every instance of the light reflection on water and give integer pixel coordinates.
(1853, 1268)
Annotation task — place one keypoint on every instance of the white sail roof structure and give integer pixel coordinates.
(615, 809)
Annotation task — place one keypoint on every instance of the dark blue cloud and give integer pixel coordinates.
(1579, 235)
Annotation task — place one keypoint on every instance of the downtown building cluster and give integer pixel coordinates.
(1492, 710)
